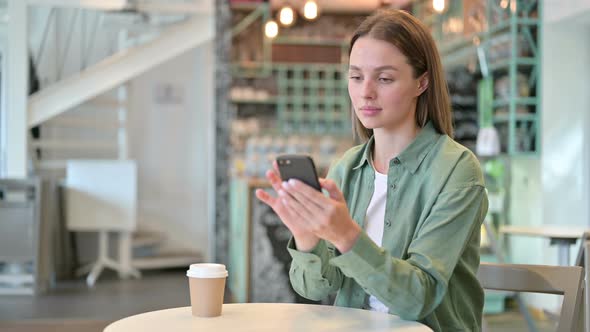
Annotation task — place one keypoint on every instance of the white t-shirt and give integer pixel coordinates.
(374, 224)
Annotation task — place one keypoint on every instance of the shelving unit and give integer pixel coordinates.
(303, 98)
(461, 85)
(312, 99)
(302, 92)
(520, 24)
(509, 34)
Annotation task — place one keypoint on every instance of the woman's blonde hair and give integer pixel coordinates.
(412, 38)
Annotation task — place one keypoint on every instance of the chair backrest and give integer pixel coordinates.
(580, 258)
(560, 280)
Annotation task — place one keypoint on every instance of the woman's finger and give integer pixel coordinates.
(307, 195)
(274, 179)
(295, 206)
(286, 209)
(265, 197)
(332, 189)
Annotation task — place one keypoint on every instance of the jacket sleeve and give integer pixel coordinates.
(413, 287)
(311, 274)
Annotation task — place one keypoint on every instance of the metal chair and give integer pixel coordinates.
(560, 280)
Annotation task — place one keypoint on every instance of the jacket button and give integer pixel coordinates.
(394, 186)
(396, 161)
(387, 222)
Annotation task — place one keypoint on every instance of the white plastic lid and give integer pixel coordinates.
(206, 270)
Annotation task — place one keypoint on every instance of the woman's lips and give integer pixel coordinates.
(370, 110)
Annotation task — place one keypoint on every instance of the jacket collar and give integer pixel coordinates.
(413, 155)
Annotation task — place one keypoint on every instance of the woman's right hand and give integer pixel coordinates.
(305, 240)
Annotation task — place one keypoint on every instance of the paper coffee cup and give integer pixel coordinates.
(207, 285)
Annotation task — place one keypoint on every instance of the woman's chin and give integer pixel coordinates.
(370, 124)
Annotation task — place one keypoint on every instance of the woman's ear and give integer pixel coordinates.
(422, 83)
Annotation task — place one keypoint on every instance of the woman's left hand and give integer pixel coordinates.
(328, 216)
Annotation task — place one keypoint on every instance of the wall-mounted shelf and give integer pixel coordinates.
(524, 101)
(517, 117)
(505, 64)
(269, 101)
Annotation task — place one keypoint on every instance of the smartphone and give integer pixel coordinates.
(300, 167)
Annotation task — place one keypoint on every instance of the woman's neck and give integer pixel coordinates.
(389, 144)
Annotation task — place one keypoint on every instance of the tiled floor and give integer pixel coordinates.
(110, 299)
(74, 307)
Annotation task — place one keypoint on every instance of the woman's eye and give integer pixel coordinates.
(385, 80)
(354, 77)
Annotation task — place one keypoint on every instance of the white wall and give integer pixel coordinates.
(526, 209)
(565, 119)
(170, 142)
(555, 189)
(560, 10)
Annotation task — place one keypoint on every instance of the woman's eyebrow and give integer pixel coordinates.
(380, 68)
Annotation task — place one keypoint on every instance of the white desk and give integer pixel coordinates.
(563, 236)
(268, 317)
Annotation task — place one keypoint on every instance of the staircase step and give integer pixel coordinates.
(52, 164)
(165, 7)
(75, 145)
(81, 123)
(144, 239)
(167, 260)
(104, 103)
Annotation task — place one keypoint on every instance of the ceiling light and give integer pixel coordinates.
(438, 5)
(271, 29)
(286, 16)
(310, 10)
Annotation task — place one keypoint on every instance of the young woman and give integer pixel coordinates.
(399, 231)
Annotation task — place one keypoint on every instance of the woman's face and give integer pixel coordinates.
(381, 85)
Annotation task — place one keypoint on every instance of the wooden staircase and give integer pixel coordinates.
(84, 116)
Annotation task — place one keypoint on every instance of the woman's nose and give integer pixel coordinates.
(368, 89)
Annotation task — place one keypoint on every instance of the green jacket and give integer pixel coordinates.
(426, 268)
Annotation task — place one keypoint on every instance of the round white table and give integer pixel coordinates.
(268, 317)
